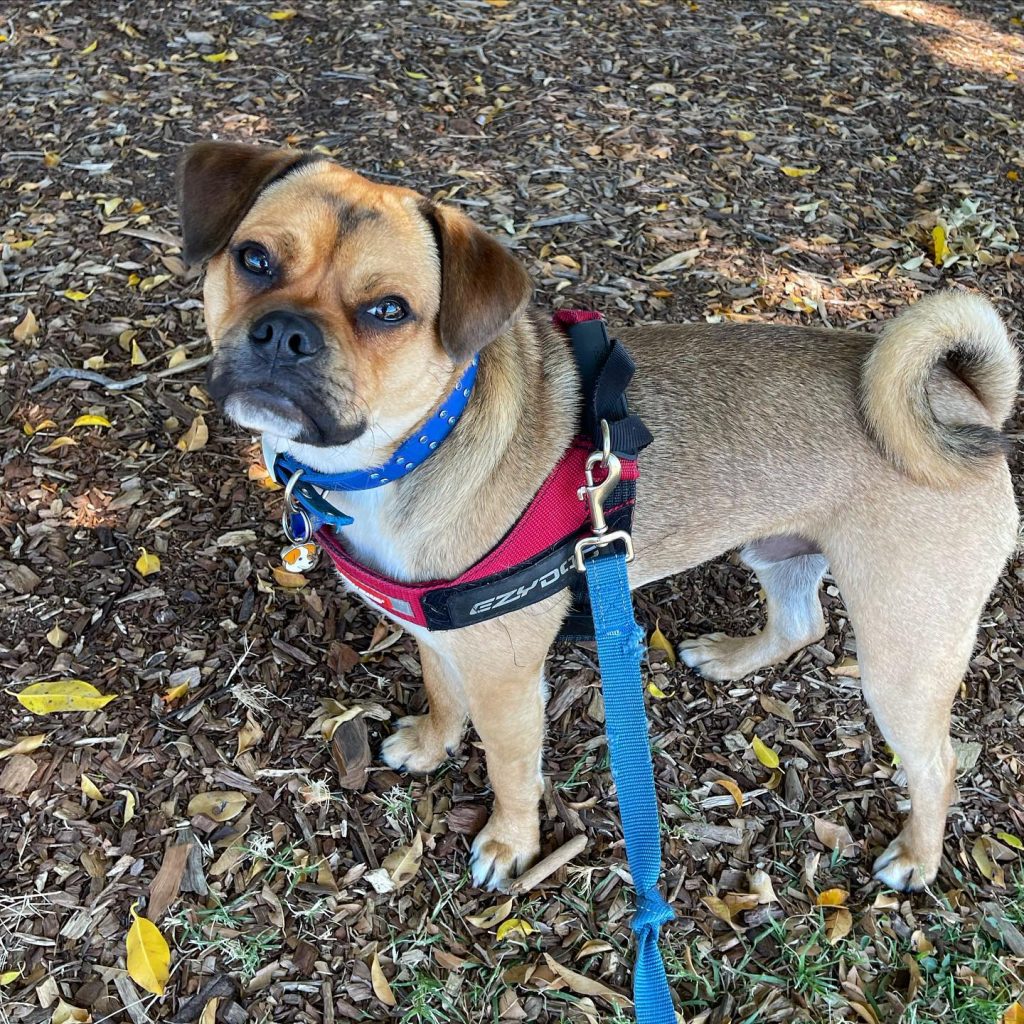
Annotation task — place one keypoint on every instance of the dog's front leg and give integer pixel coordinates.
(506, 705)
(421, 742)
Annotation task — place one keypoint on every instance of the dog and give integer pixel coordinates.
(878, 458)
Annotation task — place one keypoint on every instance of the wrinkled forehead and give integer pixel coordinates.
(327, 213)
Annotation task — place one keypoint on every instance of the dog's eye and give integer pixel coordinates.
(389, 310)
(255, 259)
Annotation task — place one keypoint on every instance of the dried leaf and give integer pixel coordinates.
(209, 1014)
(219, 58)
(282, 15)
(1014, 1014)
(91, 420)
(513, 926)
(147, 564)
(491, 916)
(940, 250)
(65, 1013)
(288, 580)
(584, 986)
(799, 172)
(195, 437)
(832, 898)
(24, 746)
(979, 854)
(62, 695)
(76, 296)
(138, 358)
(734, 790)
(28, 328)
(403, 864)
(129, 806)
(90, 789)
(56, 637)
(761, 886)
(657, 692)
(381, 988)
(835, 837)
(838, 925)
(57, 443)
(248, 736)
(219, 804)
(176, 692)
(659, 642)
(768, 757)
(148, 956)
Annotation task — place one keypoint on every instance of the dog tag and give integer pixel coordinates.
(300, 557)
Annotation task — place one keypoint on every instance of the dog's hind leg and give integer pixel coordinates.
(795, 618)
(915, 590)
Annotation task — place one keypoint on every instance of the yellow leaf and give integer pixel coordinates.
(138, 358)
(764, 753)
(195, 437)
(218, 804)
(51, 159)
(281, 15)
(657, 692)
(56, 637)
(979, 852)
(25, 243)
(176, 356)
(129, 805)
(1013, 1014)
(799, 172)
(513, 925)
(175, 693)
(745, 136)
(219, 58)
(8, 976)
(416, 74)
(734, 790)
(491, 916)
(381, 988)
(939, 248)
(1004, 836)
(499, 3)
(94, 363)
(149, 958)
(76, 296)
(88, 49)
(24, 746)
(28, 328)
(832, 898)
(45, 425)
(659, 642)
(1013, 175)
(288, 580)
(62, 695)
(91, 421)
(90, 789)
(147, 564)
(57, 443)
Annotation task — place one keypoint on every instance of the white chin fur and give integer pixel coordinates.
(255, 417)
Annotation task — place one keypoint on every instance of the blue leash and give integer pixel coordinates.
(620, 648)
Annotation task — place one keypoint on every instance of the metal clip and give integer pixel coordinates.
(596, 495)
(295, 520)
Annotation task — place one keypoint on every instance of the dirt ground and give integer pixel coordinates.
(677, 160)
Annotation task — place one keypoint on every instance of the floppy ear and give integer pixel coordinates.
(483, 286)
(218, 182)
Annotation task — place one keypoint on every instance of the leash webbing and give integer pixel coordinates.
(620, 646)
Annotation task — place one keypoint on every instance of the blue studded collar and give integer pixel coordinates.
(412, 452)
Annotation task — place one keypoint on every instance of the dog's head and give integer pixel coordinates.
(337, 306)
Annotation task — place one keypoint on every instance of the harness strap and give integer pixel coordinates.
(620, 648)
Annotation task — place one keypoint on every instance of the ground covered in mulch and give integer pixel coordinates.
(725, 160)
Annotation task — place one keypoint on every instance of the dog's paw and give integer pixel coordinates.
(500, 853)
(900, 870)
(720, 657)
(417, 745)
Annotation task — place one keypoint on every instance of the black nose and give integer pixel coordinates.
(285, 337)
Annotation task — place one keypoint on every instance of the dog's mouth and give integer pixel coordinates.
(303, 415)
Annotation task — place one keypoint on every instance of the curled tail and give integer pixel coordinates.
(938, 386)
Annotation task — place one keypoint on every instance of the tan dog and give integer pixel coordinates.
(879, 458)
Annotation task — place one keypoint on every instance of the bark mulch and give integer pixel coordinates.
(678, 160)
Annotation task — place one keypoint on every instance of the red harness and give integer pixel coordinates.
(533, 561)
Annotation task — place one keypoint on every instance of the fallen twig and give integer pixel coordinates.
(549, 865)
(70, 373)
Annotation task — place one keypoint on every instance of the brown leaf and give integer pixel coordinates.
(27, 328)
(195, 437)
(164, 888)
(219, 805)
(584, 986)
(403, 864)
(838, 925)
(835, 837)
